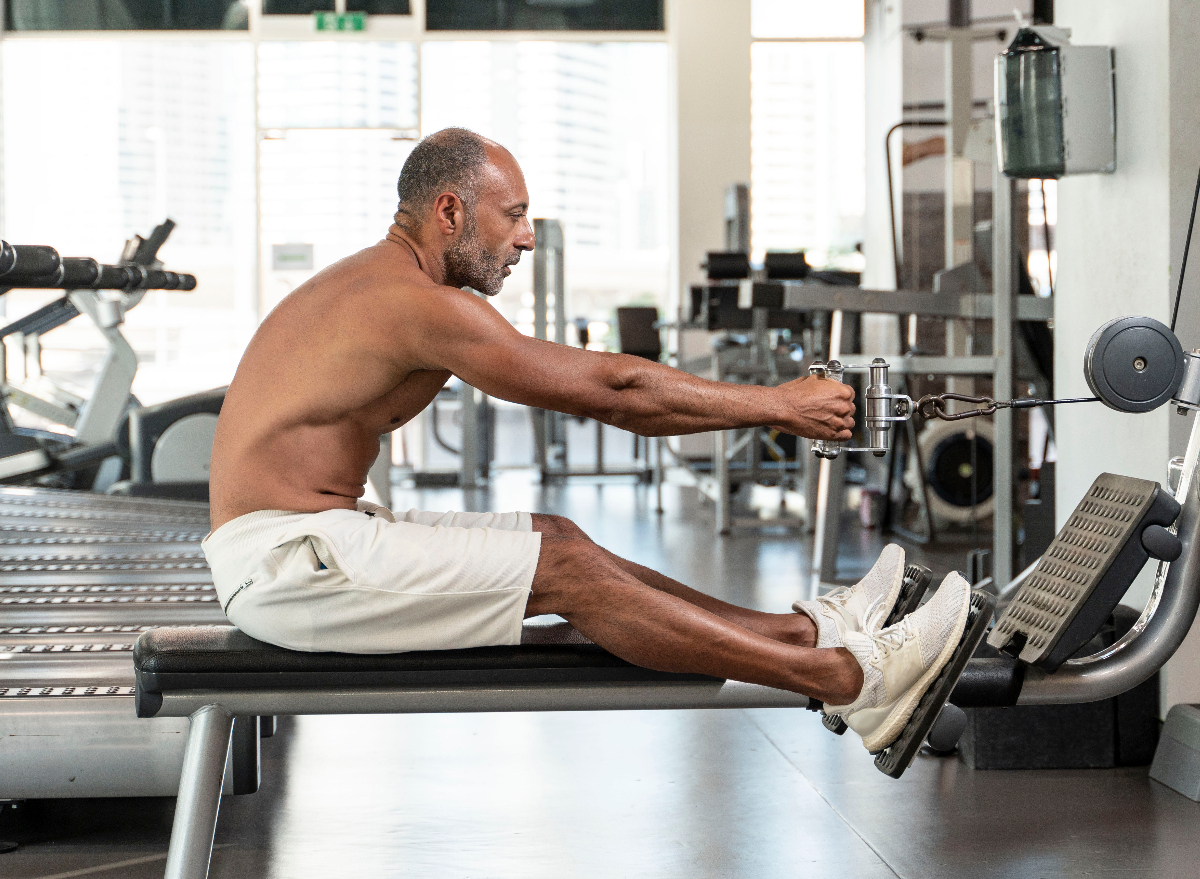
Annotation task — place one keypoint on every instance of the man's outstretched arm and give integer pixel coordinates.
(462, 333)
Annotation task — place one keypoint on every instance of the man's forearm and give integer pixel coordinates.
(655, 400)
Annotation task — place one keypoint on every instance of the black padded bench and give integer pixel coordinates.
(215, 674)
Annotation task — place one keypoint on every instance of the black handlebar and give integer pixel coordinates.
(35, 266)
(27, 262)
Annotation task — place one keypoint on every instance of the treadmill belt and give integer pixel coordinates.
(82, 576)
(80, 690)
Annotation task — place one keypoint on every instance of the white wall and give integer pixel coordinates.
(1119, 240)
(710, 67)
(884, 45)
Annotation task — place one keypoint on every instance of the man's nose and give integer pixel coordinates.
(524, 239)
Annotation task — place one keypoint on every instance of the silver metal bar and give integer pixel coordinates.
(469, 457)
(1160, 630)
(964, 365)
(459, 700)
(199, 793)
(937, 364)
(959, 170)
(721, 475)
(803, 296)
(380, 474)
(835, 504)
(1005, 280)
(658, 474)
(599, 447)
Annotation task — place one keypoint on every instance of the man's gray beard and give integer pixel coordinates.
(468, 264)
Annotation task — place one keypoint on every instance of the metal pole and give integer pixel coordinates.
(599, 446)
(1005, 278)
(200, 785)
(469, 472)
(828, 482)
(548, 281)
(658, 474)
(380, 474)
(959, 170)
(721, 474)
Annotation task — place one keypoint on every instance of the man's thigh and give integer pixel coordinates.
(357, 584)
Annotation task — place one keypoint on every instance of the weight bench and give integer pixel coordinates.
(213, 674)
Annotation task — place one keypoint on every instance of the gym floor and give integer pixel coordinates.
(752, 794)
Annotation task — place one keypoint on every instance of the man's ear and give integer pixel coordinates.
(449, 215)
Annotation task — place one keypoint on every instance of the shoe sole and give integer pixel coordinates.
(891, 728)
(899, 755)
(913, 583)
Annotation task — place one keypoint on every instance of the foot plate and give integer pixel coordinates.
(897, 757)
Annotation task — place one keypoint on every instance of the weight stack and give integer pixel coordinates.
(1094, 735)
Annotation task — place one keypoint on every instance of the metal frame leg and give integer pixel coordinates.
(658, 473)
(721, 472)
(199, 798)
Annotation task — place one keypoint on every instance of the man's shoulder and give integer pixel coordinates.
(372, 277)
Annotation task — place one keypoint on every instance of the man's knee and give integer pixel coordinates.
(566, 568)
(557, 526)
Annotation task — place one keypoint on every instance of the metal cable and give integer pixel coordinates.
(1186, 246)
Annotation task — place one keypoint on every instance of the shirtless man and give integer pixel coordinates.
(300, 561)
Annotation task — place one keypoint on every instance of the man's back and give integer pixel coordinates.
(326, 374)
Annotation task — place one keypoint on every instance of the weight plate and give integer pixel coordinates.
(1134, 364)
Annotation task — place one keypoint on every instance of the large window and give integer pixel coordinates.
(105, 139)
(277, 157)
(587, 122)
(541, 15)
(336, 122)
(808, 129)
(91, 15)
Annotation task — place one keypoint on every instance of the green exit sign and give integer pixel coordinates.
(340, 21)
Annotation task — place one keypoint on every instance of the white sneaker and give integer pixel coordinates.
(862, 607)
(900, 662)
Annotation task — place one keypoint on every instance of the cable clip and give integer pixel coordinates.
(934, 406)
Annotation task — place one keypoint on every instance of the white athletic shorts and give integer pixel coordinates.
(370, 581)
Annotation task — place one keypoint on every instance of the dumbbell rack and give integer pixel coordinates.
(81, 576)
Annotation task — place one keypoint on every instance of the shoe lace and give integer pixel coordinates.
(835, 599)
(889, 639)
(840, 597)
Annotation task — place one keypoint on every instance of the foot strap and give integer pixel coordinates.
(899, 755)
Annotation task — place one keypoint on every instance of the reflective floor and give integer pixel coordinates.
(751, 794)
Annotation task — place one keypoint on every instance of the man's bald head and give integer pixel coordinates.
(450, 160)
(464, 197)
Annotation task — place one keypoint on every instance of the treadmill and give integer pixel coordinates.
(81, 577)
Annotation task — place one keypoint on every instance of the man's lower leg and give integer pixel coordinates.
(790, 628)
(659, 630)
